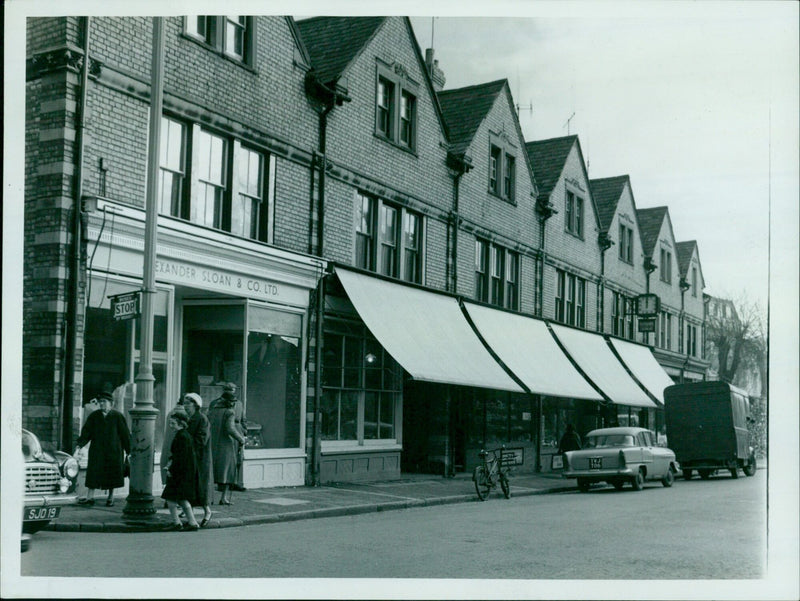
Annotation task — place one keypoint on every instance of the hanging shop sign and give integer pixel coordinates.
(647, 305)
(647, 325)
(126, 306)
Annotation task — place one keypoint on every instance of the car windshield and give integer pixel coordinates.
(31, 448)
(603, 441)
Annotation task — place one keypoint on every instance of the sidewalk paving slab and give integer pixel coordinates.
(283, 504)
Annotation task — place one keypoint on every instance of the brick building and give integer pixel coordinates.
(390, 274)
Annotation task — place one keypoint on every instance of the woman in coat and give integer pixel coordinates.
(108, 432)
(226, 441)
(181, 485)
(166, 444)
(200, 431)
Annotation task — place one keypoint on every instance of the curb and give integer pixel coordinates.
(329, 512)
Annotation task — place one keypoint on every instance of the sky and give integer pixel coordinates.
(698, 107)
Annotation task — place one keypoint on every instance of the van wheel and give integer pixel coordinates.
(638, 480)
(750, 467)
(704, 474)
(668, 479)
(734, 472)
(687, 474)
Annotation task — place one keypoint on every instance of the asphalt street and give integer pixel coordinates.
(713, 529)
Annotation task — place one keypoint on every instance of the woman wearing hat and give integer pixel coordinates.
(226, 440)
(108, 432)
(200, 431)
(181, 487)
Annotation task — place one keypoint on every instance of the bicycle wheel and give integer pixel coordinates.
(504, 484)
(481, 482)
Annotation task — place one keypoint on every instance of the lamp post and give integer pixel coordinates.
(143, 415)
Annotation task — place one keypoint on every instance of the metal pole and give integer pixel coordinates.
(144, 412)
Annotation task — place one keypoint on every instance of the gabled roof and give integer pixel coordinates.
(548, 158)
(650, 222)
(464, 109)
(333, 42)
(606, 193)
(684, 251)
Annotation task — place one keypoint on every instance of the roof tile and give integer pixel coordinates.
(650, 222)
(464, 109)
(606, 193)
(548, 158)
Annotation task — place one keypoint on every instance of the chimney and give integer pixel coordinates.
(436, 74)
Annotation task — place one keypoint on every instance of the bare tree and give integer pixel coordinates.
(736, 335)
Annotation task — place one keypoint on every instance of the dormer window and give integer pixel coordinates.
(665, 266)
(502, 168)
(396, 107)
(626, 243)
(573, 214)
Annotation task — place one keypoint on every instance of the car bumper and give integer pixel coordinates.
(50, 500)
(599, 474)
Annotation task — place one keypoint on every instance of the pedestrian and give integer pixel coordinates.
(229, 396)
(226, 442)
(108, 432)
(166, 443)
(200, 431)
(182, 481)
(570, 441)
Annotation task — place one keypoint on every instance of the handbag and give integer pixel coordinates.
(126, 467)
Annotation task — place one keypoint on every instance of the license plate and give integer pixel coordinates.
(35, 514)
(595, 463)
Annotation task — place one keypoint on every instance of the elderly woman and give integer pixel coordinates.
(226, 441)
(166, 443)
(200, 431)
(181, 486)
(108, 432)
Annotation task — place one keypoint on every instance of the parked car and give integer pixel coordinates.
(50, 480)
(620, 455)
(708, 427)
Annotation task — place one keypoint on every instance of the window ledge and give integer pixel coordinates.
(376, 447)
(574, 235)
(219, 52)
(511, 201)
(391, 142)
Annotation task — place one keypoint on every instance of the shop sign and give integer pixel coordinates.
(647, 325)
(126, 306)
(647, 305)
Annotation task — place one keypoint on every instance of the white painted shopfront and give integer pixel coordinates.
(228, 309)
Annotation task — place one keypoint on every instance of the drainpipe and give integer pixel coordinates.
(605, 243)
(70, 391)
(684, 286)
(324, 100)
(649, 268)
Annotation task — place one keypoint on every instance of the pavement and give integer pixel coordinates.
(271, 505)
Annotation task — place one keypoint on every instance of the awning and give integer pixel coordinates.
(595, 358)
(425, 332)
(644, 366)
(528, 349)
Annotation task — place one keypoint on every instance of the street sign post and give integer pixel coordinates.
(126, 306)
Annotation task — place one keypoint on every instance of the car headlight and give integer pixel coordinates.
(71, 468)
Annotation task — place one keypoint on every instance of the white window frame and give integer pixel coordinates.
(502, 159)
(401, 86)
(217, 36)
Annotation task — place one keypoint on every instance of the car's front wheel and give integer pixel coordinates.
(638, 480)
(749, 468)
(668, 479)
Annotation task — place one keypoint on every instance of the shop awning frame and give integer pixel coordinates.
(643, 366)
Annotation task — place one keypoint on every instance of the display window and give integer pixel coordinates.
(257, 348)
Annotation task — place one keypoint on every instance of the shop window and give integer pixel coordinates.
(396, 107)
(496, 275)
(388, 239)
(229, 187)
(361, 386)
(232, 36)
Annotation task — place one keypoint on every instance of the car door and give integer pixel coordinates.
(646, 444)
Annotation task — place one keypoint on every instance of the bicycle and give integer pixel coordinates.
(490, 472)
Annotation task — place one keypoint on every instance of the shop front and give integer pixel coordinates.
(227, 310)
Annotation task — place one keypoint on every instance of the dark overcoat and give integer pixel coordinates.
(200, 430)
(110, 440)
(182, 483)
